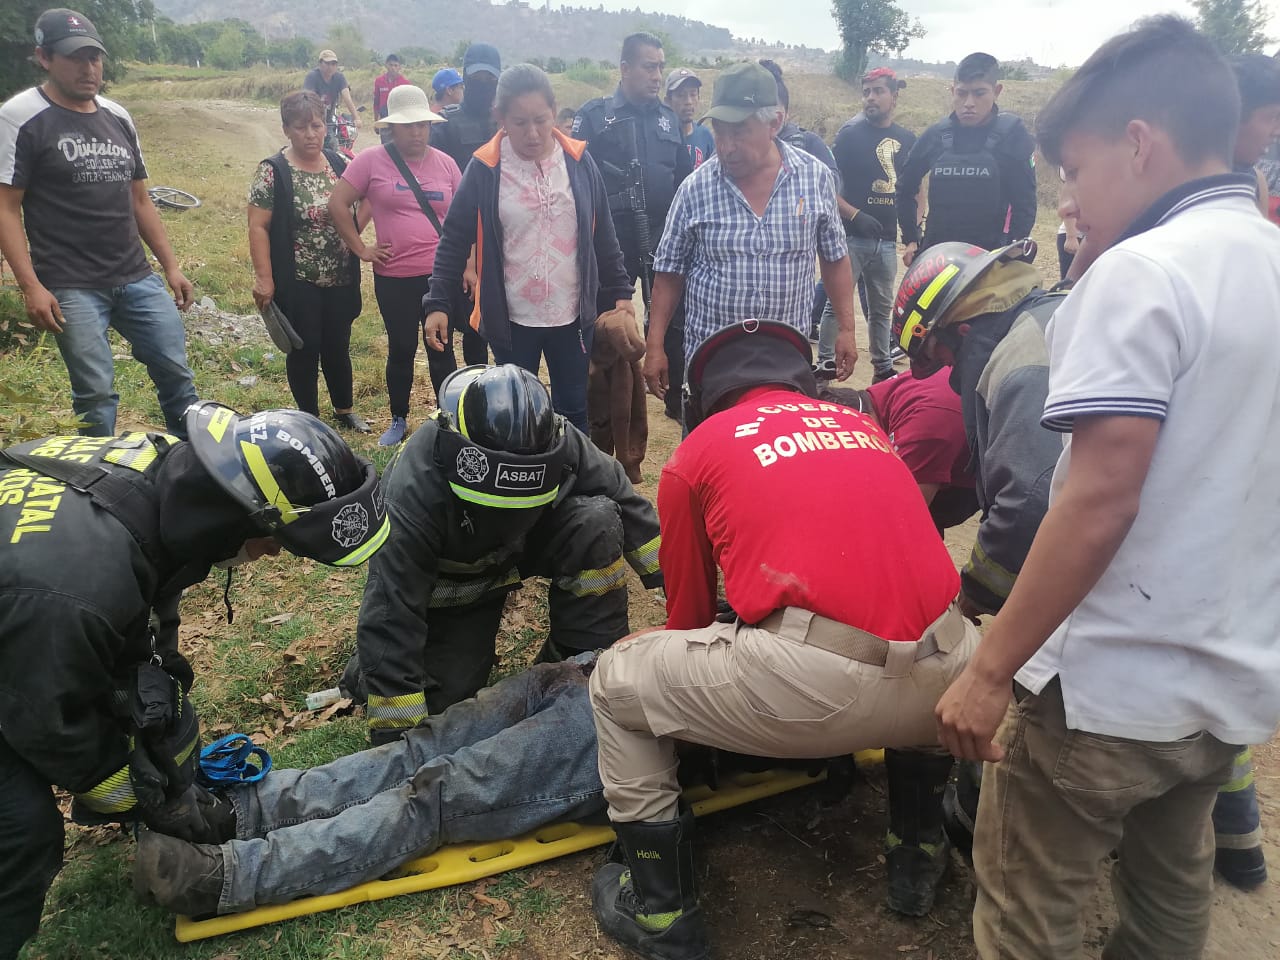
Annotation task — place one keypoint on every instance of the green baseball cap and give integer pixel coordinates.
(740, 91)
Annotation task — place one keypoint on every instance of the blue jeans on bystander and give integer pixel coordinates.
(876, 262)
(567, 349)
(144, 314)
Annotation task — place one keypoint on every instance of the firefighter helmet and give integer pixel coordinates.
(752, 353)
(296, 478)
(936, 280)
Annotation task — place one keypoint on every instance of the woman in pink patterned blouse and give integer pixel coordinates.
(548, 262)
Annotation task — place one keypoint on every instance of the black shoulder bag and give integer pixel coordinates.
(412, 182)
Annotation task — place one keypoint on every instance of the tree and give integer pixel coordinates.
(347, 41)
(1235, 26)
(116, 20)
(227, 52)
(867, 26)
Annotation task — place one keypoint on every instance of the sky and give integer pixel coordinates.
(1051, 32)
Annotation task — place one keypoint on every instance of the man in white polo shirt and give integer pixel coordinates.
(1142, 638)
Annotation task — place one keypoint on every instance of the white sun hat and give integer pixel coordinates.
(408, 104)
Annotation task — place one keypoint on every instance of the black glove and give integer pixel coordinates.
(197, 816)
(166, 749)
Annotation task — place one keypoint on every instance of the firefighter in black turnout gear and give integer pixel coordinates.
(493, 489)
(635, 140)
(980, 168)
(98, 538)
(467, 127)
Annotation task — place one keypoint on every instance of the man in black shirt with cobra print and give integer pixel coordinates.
(870, 151)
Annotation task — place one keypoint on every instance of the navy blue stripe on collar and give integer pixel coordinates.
(1189, 194)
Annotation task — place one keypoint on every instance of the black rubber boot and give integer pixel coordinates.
(648, 903)
(1243, 869)
(960, 807)
(182, 877)
(916, 849)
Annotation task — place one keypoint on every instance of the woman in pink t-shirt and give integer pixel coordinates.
(404, 252)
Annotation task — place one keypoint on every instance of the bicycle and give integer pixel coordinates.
(173, 198)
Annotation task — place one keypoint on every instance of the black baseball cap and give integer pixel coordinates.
(481, 58)
(64, 31)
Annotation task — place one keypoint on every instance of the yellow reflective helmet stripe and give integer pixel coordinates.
(504, 502)
(908, 329)
(367, 549)
(462, 417)
(266, 483)
(936, 284)
(218, 423)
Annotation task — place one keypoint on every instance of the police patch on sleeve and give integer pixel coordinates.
(472, 465)
(350, 525)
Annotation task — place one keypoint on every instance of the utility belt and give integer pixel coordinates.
(895, 656)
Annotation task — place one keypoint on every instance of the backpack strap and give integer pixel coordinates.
(412, 182)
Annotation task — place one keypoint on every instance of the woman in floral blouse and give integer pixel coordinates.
(301, 263)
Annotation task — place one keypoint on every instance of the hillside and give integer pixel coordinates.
(518, 29)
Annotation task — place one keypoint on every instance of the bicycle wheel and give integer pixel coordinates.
(173, 197)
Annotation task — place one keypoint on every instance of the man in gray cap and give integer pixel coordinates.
(73, 207)
(743, 231)
(684, 94)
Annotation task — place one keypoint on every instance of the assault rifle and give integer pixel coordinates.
(632, 196)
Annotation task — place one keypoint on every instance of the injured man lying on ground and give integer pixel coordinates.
(519, 755)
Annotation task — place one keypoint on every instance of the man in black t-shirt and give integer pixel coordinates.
(327, 82)
(870, 151)
(73, 210)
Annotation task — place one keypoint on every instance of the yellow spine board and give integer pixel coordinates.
(463, 863)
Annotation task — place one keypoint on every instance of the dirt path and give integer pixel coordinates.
(795, 876)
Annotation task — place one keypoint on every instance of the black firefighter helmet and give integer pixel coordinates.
(296, 478)
(752, 353)
(500, 442)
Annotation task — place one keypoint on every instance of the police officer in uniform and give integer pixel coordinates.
(98, 538)
(495, 488)
(980, 168)
(467, 127)
(630, 131)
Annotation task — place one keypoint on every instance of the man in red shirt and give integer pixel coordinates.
(840, 643)
(383, 85)
(925, 426)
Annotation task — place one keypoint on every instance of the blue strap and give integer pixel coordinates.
(233, 759)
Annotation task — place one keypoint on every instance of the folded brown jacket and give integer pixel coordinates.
(615, 391)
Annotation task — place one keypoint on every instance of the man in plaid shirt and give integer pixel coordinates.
(743, 231)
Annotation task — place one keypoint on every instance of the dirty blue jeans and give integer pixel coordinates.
(144, 314)
(519, 755)
(876, 263)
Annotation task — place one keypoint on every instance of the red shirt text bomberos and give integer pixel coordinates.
(800, 503)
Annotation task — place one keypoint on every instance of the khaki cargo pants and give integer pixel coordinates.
(1053, 809)
(760, 690)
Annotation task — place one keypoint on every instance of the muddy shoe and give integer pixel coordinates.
(1243, 869)
(352, 421)
(181, 877)
(914, 874)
